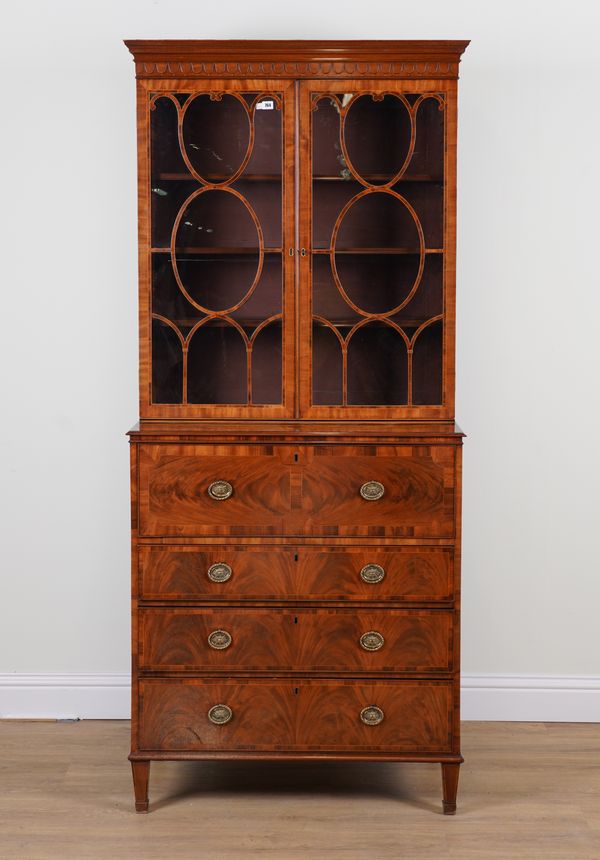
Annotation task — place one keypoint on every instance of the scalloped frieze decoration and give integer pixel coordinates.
(189, 69)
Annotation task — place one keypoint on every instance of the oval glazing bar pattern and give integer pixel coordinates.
(378, 207)
(217, 272)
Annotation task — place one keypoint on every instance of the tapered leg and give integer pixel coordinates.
(449, 787)
(141, 775)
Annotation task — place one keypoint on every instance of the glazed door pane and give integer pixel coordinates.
(375, 160)
(218, 184)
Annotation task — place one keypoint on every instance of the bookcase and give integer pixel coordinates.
(296, 471)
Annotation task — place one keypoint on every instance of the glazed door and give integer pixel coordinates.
(377, 167)
(217, 298)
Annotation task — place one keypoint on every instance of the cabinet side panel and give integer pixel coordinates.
(144, 268)
(457, 598)
(134, 451)
(450, 248)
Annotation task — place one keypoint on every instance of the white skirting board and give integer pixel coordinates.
(72, 696)
(531, 698)
(547, 698)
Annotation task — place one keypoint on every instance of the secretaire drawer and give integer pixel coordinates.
(326, 490)
(296, 572)
(233, 714)
(401, 491)
(231, 639)
(213, 489)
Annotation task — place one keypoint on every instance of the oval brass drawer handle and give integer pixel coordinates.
(371, 715)
(371, 640)
(219, 572)
(220, 714)
(219, 640)
(220, 490)
(372, 573)
(372, 490)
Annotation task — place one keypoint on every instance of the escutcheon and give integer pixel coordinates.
(371, 715)
(220, 714)
(371, 640)
(219, 640)
(372, 573)
(372, 490)
(219, 572)
(220, 490)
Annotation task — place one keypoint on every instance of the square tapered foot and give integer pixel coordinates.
(450, 787)
(141, 776)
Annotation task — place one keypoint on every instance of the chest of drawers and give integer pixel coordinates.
(296, 472)
(288, 634)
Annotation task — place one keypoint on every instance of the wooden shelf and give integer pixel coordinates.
(222, 251)
(318, 177)
(220, 177)
(379, 177)
(243, 321)
(411, 322)
(227, 251)
(414, 251)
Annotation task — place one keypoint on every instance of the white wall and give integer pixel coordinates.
(528, 312)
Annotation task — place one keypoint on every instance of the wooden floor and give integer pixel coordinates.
(528, 790)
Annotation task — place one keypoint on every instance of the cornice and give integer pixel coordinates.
(296, 59)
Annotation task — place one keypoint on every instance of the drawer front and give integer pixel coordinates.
(298, 573)
(175, 480)
(417, 485)
(297, 490)
(319, 715)
(307, 640)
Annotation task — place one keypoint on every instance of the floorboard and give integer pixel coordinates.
(527, 790)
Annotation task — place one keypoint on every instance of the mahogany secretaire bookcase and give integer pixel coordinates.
(296, 472)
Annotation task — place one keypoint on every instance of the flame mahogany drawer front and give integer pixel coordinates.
(298, 573)
(237, 490)
(232, 714)
(234, 639)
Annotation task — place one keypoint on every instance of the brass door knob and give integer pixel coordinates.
(371, 715)
(220, 490)
(220, 714)
(372, 573)
(219, 572)
(219, 640)
(371, 640)
(372, 490)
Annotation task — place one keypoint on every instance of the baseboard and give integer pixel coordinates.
(531, 698)
(537, 698)
(72, 696)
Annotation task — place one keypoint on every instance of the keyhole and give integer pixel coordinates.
(295, 620)
(295, 458)
(296, 691)
(295, 556)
